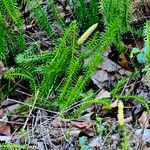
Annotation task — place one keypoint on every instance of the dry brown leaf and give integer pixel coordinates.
(81, 125)
(2, 113)
(4, 128)
(123, 61)
(144, 120)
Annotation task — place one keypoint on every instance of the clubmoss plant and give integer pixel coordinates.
(116, 17)
(86, 13)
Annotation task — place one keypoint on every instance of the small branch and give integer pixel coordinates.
(36, 97)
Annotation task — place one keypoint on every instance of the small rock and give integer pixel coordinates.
(103, 94)
(109, 65)
(6, 138)
(96, 142)
(86, 118)
(144, 95)
(41, 145)
(101, 76)
(62, 14)
(107, 52)
(68, 8)
(74, 132)
(144, 134)
(68, 20)
(117, 76)
(112, 78)
(60, 8)
(124, 72)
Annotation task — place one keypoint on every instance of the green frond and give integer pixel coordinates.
(56, 14)
(71, 73)
(86, 12)
(93, 12)
(127, 13)
(2, 38)
(13, 11)
(118, 87)
(147, 76)
(147, 33)
(30, 57)
(135, 97)
(40, 16)
(116, 17)
(15, 15)
(22, 74)
(82, 80)
(88, 102)
(81, 11)
(64, 52)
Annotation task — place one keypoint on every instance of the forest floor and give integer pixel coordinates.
(97, 127)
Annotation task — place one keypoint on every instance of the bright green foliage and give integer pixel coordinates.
(65, 49)
(45, 70)
(86, 13)
(13, 12)
(146, 48)
(118, 87)
(2, 39)
(15, 15)
(81, 11)
(61, 70)
(147, 76)
(48, 65)
(116, 16)
(9, 146)
(11, 43)
(93, 11)
(116, 10)
(135, 97)
(40, 16)
(56, 13)
(75, 92)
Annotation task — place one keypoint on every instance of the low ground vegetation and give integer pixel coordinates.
(75, 73)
